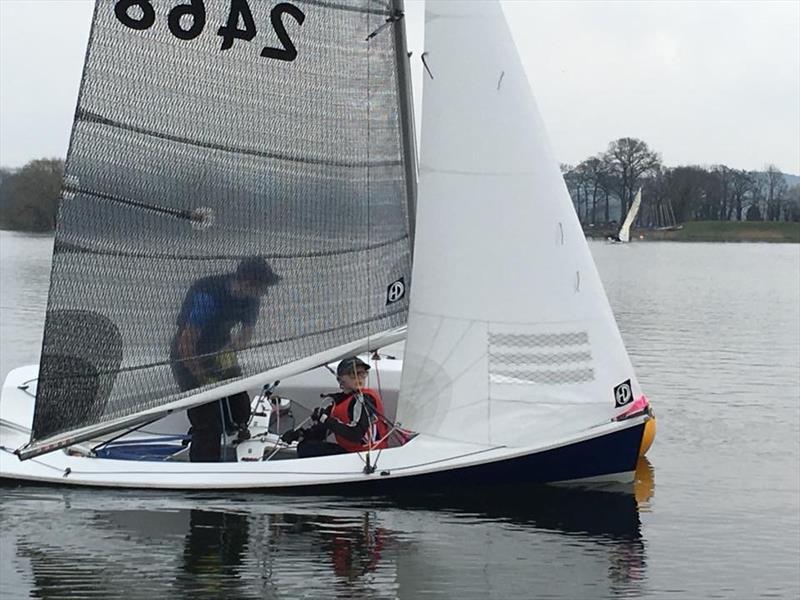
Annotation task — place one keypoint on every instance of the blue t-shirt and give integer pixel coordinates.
(211, 308)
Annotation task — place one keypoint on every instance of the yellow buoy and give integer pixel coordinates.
(649, 433)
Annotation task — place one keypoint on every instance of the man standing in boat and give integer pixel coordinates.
(203, 350)
(356, 417)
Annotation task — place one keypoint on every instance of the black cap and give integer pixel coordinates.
(349, 365)
(256, 270)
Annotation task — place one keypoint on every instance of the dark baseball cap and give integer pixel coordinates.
(256, 270)
(350, 365)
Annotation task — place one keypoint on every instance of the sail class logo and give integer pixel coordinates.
(396, 291)
(623, 394)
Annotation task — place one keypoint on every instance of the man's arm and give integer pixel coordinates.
(203, 310)
(187, 345)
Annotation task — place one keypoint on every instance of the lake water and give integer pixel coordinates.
(714, 333)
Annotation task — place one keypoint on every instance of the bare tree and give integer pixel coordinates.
(579, 182)
(656, 208)
(29, 196)
(741, 185)
(608, 183)
(757, 198)
(792, 205)
(775, 187)
(594, 172)
(572, 182)
(630, 159)
(687, 191)
(720, 192)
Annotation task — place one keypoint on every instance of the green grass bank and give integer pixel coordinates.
(719, 231)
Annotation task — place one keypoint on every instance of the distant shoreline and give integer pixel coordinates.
(695, 231)
(714, 231)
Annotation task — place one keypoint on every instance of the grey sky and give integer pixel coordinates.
(700, 82)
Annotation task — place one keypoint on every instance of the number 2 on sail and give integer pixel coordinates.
(195, 10)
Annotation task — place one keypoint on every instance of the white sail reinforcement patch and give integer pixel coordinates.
(550, 359)
(573, 338)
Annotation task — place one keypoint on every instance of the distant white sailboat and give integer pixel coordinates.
(624, 234)
(514, 372)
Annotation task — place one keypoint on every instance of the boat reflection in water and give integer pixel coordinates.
(569, 543)
(572, 543)
(644, 486)
(215, 548)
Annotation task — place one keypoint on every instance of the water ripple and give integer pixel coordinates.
(714, 333)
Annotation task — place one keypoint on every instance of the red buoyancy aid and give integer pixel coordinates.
(375, 437)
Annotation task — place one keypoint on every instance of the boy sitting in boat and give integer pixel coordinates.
(356, 417)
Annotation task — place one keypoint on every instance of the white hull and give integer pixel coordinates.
(423, 457)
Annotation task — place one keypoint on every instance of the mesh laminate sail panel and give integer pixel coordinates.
(185, 160)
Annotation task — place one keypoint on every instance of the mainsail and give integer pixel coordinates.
(624, 234)
(511, 339)
(208, 133)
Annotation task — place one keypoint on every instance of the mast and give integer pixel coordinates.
(406, 106)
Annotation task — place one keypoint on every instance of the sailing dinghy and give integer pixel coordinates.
(214, 131)
(624, 233)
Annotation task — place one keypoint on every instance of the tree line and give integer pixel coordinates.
(603, 187)
(29, 195)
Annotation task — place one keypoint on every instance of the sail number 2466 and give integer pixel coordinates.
(187, 21)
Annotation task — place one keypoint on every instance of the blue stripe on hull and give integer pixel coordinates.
(616, 452)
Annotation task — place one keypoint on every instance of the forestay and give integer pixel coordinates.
(511, 340)
(207, 132)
